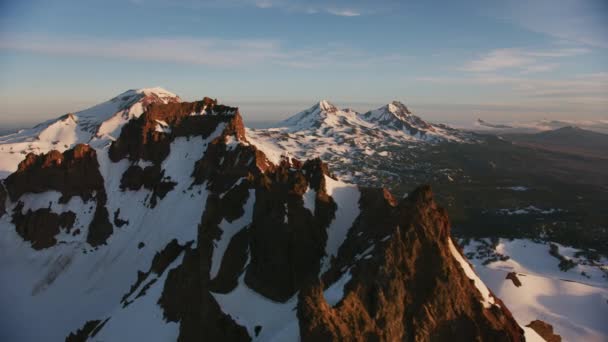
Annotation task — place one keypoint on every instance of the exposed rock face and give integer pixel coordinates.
(545, 330)
(287, 241)
(513, 277)
(161, 261)
(144, 138)
(411, 289)
(2, 199)
(41, 226)
(74, 172)
(90, 329)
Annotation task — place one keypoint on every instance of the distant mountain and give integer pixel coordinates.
(568, 139)
(393, 121)
(345, 138)
(395, 116)
(482, 123)
(599, 126)
(172, 223)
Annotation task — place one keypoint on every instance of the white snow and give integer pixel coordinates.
(531, 335)
(309, 198)
(229, 229)
(162, 127)
(231, 142)
(342, 137)
(50, 199)
(273, 152)
(365, 253)
(573, 304)
(488, 299)
(142, 320)
(335, 292)
(528, 210)
(96, 126)
(346, 197)
(36, 283)
(249, 309)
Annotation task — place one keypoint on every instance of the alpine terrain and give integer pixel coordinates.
(149, 218)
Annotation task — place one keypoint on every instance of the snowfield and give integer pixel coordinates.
(576, 305)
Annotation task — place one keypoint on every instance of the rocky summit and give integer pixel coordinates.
(182, 226)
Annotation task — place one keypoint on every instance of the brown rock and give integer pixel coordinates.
(3, 196)
(74, 172)
(160, 262)
(41, 226)
(545, 330)
(513, 277)
(90, 329)
(411, 289)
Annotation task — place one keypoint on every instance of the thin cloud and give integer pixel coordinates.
(343, 12)
(540, 68)
(199, 51)
(576, 21)
(525, 60)
(341, 8)
(498, 59)
(586, 88)
(211, 52)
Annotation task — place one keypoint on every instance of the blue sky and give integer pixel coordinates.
(449, 61)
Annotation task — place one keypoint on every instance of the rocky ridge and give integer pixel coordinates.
(220, 241)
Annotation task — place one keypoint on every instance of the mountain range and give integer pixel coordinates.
(147, 217)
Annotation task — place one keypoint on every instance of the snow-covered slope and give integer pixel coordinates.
(193, 232)
(396, 117)
(96, 125)
(574, 302)
(344, 137)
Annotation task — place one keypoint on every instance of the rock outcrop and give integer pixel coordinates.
(411, 288)
(545, 330)
(74, 172)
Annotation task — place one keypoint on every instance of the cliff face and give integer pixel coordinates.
(74, 172)
(237, 246)
(411, 288)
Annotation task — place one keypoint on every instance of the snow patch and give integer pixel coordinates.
(309, 199)
(250, 309)
(142, 320)
(335, 292)
(229, 229)
(346, 197)
(575, 305)
(488, 299)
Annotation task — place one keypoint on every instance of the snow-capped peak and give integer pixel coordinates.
(326, 106)
(396, 115)
(156, 91)
(311, 117)
(389, 112)
(95, 125)
(398, 109)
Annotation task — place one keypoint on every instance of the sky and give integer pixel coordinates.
(449, 61)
